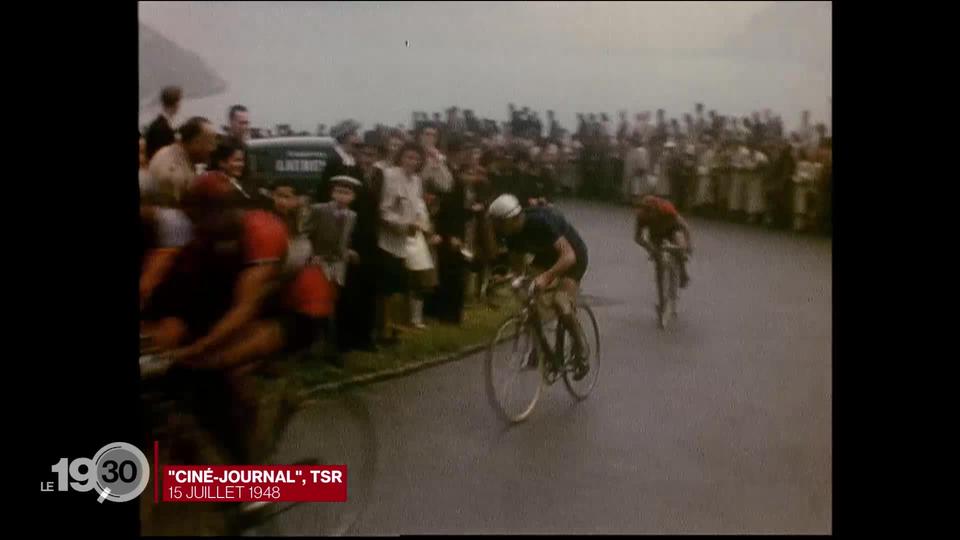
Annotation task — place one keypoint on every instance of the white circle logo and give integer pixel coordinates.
(122, 472)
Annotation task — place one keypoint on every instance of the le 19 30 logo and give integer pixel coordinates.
(119, 472)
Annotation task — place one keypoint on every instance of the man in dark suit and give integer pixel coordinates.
(356, 305)
(160, 132)
(449, 215)
(238, 131)
(343, 162)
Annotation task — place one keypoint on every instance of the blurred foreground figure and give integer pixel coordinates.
(220, 310)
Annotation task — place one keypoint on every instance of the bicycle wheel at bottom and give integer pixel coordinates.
(667, 281)
(591, 332)
(513, 377)
(335, 430)
(672, 291)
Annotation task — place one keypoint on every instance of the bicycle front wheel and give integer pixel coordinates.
(513, 371)
(331, 429)
(674, 285)
(666, 285)
(591, 334)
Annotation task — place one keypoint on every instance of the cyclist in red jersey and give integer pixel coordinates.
(220, 279)
(660, 218)
(211, 309)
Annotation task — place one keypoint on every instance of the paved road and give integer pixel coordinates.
(721, 425)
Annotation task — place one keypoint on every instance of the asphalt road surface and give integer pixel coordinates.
(722, 424)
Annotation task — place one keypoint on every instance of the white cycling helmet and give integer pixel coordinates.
(504, 207)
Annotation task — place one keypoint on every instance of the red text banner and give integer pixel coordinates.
(255, 483)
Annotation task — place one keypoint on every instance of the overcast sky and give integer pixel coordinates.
(305, 63)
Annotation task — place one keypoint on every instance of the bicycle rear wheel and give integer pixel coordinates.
(513, 371)
(581, 389)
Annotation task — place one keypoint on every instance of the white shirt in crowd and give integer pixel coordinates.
(635, 182)
(741, 160)
(435, 173)
(170, 172)
(706, 162)
(759, 159)
(399, 201)
(345, 156)
(636, 159)
(807, 172)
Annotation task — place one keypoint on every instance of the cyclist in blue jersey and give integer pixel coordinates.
(557, 249)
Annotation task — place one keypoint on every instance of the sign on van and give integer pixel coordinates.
(299, 165)
(301, 162)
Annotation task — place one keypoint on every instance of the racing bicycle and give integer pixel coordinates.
(532, 350)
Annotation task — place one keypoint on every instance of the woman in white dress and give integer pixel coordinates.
(400, 200)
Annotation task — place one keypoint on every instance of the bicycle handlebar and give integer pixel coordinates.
(523, 283)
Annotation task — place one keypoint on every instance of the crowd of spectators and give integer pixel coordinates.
(396, 227)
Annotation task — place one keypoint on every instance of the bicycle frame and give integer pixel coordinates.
(529, 315)
(527, 320)
(666, 262)
(553, 354)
